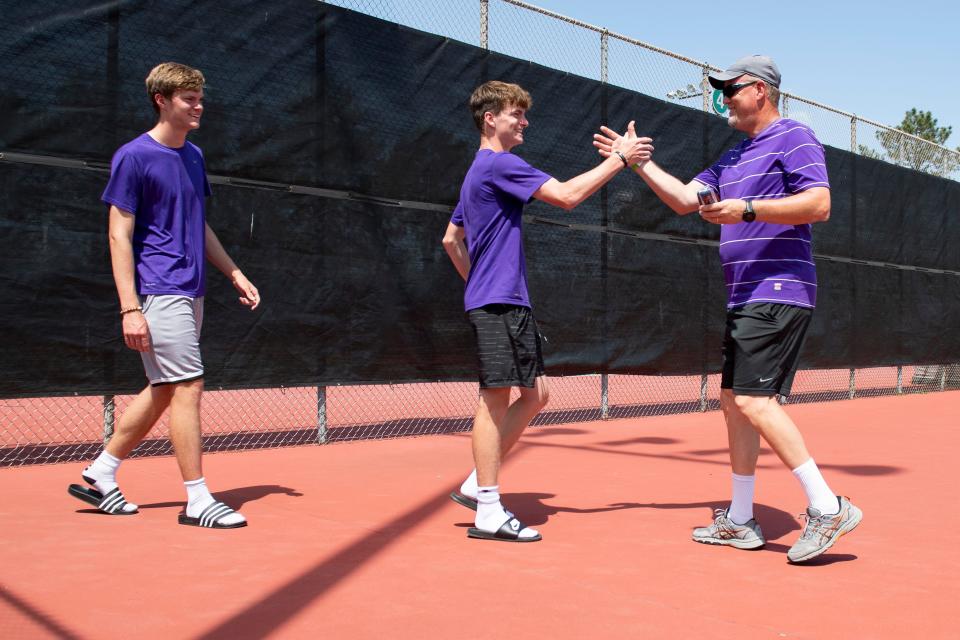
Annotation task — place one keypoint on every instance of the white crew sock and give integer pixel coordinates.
(199, 498)
(491, 515)
(103, 471)
(819, 495)
(741, 506)
(469, 486)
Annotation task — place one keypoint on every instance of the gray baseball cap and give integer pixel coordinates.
(761, 67)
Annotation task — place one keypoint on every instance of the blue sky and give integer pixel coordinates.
(876, 59)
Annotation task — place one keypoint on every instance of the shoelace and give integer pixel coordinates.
(810, 526)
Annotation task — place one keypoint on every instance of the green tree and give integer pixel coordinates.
(916, 154)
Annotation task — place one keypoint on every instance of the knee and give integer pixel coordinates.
(187, 392)
(752, 407)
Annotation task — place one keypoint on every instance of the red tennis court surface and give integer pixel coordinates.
(359, 540)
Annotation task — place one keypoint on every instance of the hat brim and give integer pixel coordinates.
(717, 79)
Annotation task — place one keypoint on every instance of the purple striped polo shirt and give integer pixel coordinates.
(763, 261)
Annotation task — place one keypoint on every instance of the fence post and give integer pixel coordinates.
(703, 392)
(604, 396)
(109, 412)
(484, 24)
(853, 134)
(321, 415)
(853, 385)
(604, 53)
(899, 379)
(785, 109)
(943, 378)
(706, 89)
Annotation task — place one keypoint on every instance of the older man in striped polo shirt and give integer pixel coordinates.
(769, 189)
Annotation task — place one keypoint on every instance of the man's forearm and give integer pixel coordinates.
(806, 207)
(675, 194)
(217, 255)
(121, 261)
(579, 188)
(459, 257)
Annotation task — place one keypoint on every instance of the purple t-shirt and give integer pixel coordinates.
(490, 210)
(763, 261)
(165, 189)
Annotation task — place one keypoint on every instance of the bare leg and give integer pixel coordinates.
(521, 412)
(744, 440)
(487, 438)
(138, 419)
(185, 427)
(769, 419)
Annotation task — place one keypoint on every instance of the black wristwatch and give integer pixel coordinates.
(748, 213)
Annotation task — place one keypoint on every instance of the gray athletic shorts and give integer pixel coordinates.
(174, 323)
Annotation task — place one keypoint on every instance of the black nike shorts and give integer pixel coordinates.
(761, 348)
(509, 351)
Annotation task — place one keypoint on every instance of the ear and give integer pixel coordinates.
(488, 117)
(159, 100)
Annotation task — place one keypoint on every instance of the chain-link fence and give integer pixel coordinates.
(531, 33)
(67, 428)
(71, 428)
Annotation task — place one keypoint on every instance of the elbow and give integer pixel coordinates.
(822, 214)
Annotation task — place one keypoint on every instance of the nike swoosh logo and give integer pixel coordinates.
(765, 379)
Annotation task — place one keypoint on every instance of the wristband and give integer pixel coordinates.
(622, 158)
(124, 312)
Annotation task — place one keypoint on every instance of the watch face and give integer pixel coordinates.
(749, 215)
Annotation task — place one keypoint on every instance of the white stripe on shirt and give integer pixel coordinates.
(755, 175)
(808, 144)
(752, 239)
(768, 260)
(734, 284)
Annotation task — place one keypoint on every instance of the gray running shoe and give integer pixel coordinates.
(822, 531)
(726, 531)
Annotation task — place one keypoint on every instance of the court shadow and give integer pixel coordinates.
(533, 510)
(235, 498)
(540, 432)
(826, 559)
(862, 469)
(641, 440)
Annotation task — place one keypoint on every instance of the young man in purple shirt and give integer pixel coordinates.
(489, 218)
(159, 239)
(771, 187)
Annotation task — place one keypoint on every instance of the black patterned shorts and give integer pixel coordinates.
(509, 351)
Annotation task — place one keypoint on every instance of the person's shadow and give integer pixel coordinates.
(533, 510)
(233, 498)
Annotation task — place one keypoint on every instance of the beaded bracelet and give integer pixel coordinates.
(124, 312)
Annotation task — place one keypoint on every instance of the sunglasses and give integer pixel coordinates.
(731, 89)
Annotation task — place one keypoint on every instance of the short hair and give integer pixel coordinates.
(494, 96)
(169, 77)
(773, 95)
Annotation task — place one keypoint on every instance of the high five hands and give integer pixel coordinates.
(635, 150)
(609, 141)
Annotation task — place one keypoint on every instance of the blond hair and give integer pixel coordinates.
(494, 96)
(169, 77)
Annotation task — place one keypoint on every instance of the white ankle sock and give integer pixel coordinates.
(199, 498)
(741, 506)
(491, 515)
(819, 495)
(469, 486)
(103, 471)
